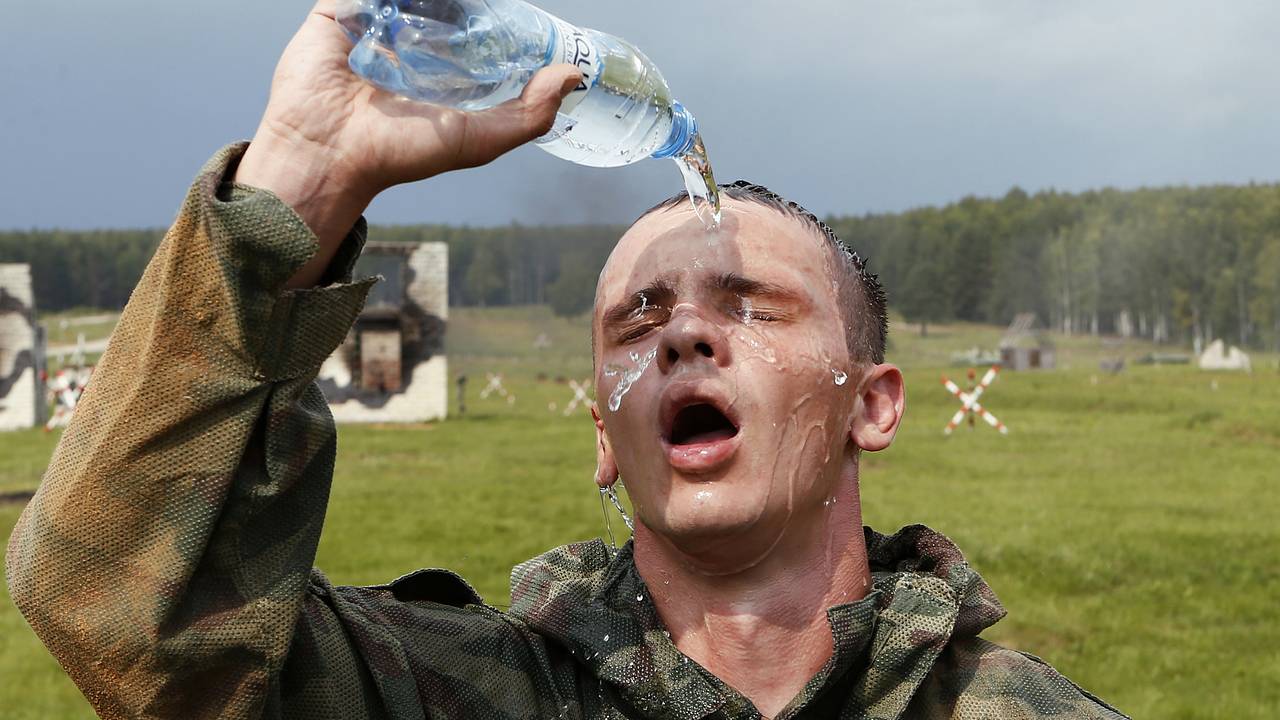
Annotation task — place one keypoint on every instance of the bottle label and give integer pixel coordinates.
(573, 46)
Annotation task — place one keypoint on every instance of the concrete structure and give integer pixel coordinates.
(1219, 357)
(22, 397)
(1025, 348)
(392, 367)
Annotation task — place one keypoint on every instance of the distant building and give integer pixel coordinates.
(22, 397)
(1024, 347)
(392, 366)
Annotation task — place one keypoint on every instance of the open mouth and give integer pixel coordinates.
(700, 423)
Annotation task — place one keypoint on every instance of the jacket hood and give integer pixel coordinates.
(592, 601)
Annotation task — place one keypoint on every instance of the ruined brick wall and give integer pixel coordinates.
(21, 351)
(359, 379)
(429, 288)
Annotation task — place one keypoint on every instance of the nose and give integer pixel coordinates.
(690, 338)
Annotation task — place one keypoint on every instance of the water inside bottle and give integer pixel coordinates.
(700, 182)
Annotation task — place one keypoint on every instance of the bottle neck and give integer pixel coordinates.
(684, 128)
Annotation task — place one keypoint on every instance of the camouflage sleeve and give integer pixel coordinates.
(165, 557)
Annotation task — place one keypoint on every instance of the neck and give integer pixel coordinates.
(736, 625)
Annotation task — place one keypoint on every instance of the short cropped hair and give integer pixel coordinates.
(861, 298)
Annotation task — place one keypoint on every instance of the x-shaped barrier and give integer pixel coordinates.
(969, 403)
(579, 396)
(495, 386)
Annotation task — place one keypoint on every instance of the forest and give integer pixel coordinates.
(1171, 264)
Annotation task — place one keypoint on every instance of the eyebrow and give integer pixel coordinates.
(739, 285)
(660, 289)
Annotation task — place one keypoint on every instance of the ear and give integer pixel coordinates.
(606, 466)
(879, 409)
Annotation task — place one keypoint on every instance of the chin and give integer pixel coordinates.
(712, 527)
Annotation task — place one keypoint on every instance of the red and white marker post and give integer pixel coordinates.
(970, 404)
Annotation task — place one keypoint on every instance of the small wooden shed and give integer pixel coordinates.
(1025, 347)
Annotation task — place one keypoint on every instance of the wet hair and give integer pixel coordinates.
(861, 297)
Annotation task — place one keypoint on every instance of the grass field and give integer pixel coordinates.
(1130, 523)
(64, 328)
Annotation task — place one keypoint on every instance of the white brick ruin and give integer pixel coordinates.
(22, 401)
(392, 368)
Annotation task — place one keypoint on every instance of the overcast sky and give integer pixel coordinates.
(107, 110)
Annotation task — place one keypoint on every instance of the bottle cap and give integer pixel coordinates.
(684, 128)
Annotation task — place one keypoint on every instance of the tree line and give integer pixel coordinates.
(1171, 264)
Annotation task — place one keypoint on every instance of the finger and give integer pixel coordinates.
(551, 85)
(537, 106)
(327, 8)
(519, 120)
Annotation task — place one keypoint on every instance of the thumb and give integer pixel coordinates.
(519, 120)
(541, 98)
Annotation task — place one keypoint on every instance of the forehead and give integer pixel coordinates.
(753, 240)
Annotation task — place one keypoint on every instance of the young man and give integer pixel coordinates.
(166, 558)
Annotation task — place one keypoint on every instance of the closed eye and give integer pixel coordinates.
(643, 321)
(748, 312)
(635, 333)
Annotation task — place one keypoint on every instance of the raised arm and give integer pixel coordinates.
(165, 557)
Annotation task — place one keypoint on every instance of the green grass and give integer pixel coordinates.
(1128, 522)
(64, 328)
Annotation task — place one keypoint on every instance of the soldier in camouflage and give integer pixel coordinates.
(166, 557)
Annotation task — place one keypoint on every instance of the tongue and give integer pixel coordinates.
(708, 436)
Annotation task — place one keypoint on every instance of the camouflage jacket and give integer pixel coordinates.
(166, 558)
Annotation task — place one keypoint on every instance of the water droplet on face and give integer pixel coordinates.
(606, 638)
(611, 493)
(629, 377)
(640, 597)
(840, 376)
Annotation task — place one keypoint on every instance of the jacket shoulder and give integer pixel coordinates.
(434, 585)
(426, 641)
(975, 678)
(424, 601)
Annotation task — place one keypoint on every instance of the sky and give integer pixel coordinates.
(107, 110)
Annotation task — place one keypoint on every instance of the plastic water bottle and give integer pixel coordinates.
(475, 54)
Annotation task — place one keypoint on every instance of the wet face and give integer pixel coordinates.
(725, 386)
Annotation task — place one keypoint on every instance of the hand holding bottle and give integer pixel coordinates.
(329, 142)
(475, 54)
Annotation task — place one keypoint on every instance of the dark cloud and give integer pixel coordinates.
(846, 106)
